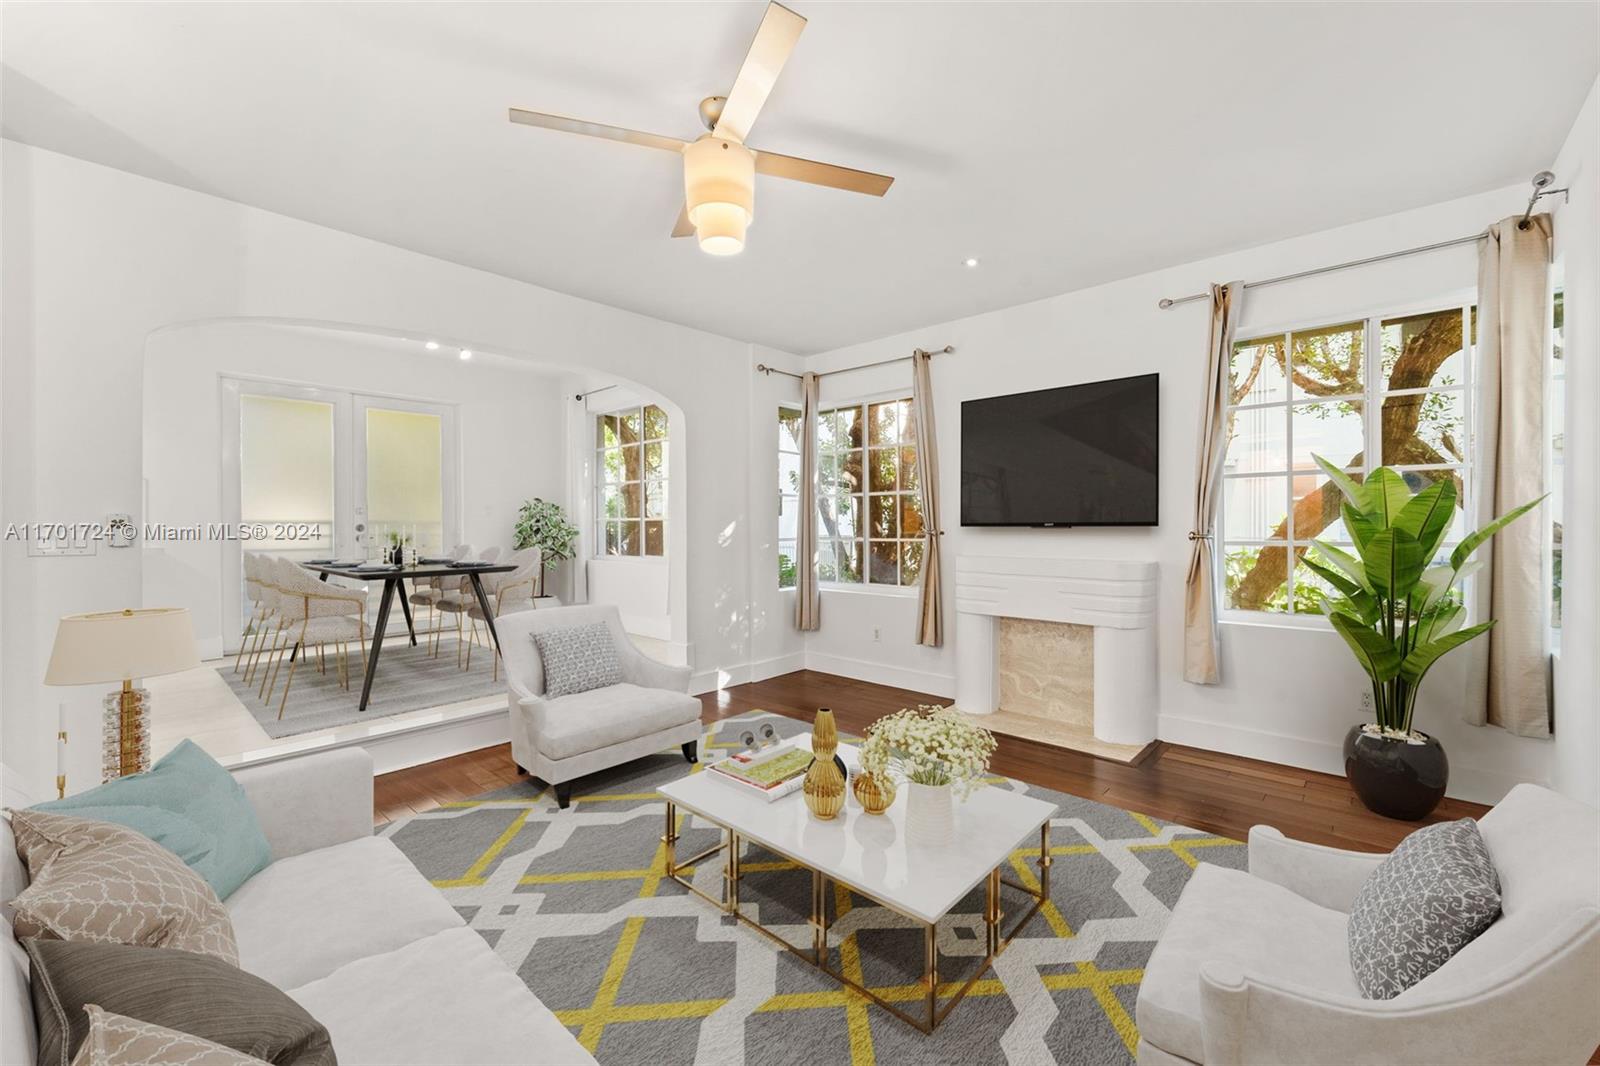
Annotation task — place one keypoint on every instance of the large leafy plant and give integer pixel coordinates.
(1399, 614)
(543, 525)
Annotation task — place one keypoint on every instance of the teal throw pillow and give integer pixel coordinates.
(190, 805)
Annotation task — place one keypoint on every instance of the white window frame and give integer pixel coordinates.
(601, 520)
(1371, 397)
(1555, 469)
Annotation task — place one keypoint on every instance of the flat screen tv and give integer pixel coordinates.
(1080, 455)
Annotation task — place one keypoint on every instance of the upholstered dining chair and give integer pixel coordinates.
(260, 610)
(507, 593)
(426, 593)
(559, 739)
(318, 614)
(456, 596)
(1255, 967)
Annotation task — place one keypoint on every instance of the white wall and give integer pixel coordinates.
(1577, 670)
(97, 260)
(509, 419)
(1288, 694)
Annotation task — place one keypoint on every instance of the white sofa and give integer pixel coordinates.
(1254, 968)
(344, 923)
(559, 740)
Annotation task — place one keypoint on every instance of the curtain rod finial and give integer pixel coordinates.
(1165, 303)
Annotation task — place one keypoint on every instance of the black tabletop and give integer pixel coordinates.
(421, 570)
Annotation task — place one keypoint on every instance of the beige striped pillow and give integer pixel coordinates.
(107, 883)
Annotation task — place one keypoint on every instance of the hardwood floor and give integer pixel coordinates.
(1205, 790)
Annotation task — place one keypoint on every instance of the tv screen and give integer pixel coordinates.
(1081, 455)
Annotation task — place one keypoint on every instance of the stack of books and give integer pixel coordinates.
(769, 773)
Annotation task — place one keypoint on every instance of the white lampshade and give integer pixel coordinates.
(719, 185)
(109, 646)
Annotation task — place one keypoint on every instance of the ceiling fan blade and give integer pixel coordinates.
(596, 129)
(684, 228)
(835, 177)
(775, 39)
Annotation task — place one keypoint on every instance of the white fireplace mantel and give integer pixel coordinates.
(1117, 598)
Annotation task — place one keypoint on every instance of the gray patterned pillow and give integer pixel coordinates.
(1424, 903)
(577, 659)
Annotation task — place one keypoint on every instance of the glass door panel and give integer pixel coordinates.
(405, 475)
(286, 474)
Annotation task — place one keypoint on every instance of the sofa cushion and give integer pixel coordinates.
(447, 998)
(599, 718)
(577, 658)
(117, 1040)
(304, 917)
(194, 994)
(1227, 916)
(103, 882)
(1430, 898)
(189, 805)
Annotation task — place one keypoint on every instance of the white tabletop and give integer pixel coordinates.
(870, 852)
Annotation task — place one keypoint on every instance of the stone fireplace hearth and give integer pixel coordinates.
(1061, 651)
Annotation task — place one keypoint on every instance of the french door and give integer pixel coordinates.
(331, 474)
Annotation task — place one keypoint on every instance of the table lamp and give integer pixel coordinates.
(108, 646)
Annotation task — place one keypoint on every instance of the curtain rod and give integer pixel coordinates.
(1541, 188)
(765, 369)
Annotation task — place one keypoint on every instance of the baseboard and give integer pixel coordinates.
(1466, 782)
(778, 665)
(211, 648)
(942, 685)
(711, 680)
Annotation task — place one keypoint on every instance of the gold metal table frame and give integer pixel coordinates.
(818, 954)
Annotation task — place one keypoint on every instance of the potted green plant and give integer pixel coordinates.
(543, 525)
(1399, 615)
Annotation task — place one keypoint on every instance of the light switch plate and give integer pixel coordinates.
(74, 543)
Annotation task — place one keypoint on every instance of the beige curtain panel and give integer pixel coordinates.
(930, 608)
(1200, 594)
(1511, 688)
(807, 601)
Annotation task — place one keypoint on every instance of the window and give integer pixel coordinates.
(1317, 391)
(1558, 439)
(869, 516)
(631, 491)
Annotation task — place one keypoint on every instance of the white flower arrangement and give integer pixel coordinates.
(929, 745)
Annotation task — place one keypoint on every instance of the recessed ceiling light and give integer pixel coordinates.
(466, 353)
(969, 262)
(432, 346)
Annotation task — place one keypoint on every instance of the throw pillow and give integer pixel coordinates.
(103, 882)
(577, 659)
(114, 1040)
(193, 994)
(1425, 902)
(190, 805)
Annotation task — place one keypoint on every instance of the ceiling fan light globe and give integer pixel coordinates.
(720, 228)
(719, 174)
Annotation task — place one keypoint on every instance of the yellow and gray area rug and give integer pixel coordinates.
(645, 974)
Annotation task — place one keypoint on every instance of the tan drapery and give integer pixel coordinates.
(807, 601)
(930, 606)
(1199, 596)
(1511, 687)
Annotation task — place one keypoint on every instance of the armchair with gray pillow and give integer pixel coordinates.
(603, 711)
(1256, 967)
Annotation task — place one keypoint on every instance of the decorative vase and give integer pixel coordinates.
(930, 813)
(1402, 779)
(874, 795)
(824, 784)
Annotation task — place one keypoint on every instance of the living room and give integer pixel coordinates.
(1068, 418)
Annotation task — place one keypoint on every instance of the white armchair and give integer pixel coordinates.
(559, 740)
(1254, 968)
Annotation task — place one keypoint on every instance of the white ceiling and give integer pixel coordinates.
(1064, 145)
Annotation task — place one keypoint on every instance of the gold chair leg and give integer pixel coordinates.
(255, 652)
(244, 641)
(287, 682)
(275, 657)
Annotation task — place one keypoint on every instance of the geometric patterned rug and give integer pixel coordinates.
(645, 974)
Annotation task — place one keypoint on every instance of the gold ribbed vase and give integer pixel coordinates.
(824, 784)
(874, 796)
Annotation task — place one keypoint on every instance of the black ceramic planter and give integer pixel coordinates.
(1395, 778)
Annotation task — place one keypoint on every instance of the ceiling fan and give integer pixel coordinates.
(718, 169)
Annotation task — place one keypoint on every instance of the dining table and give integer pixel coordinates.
(394, 578)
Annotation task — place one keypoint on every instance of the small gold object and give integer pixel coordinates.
(874, 797)
(824, 784)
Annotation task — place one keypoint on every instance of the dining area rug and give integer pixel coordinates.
(577, 903)
(408, 679)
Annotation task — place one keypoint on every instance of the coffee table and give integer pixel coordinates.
(872, 856)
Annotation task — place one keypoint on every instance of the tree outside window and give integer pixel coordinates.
(631, 491)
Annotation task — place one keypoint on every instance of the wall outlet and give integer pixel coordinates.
(877, 635)
(1366, 702)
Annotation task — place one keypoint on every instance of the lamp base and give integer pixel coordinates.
(125, 734)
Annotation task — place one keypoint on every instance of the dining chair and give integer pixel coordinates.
(507, 593)
(259, 610)
(457, 596)
(319, 614)
(426, 593)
